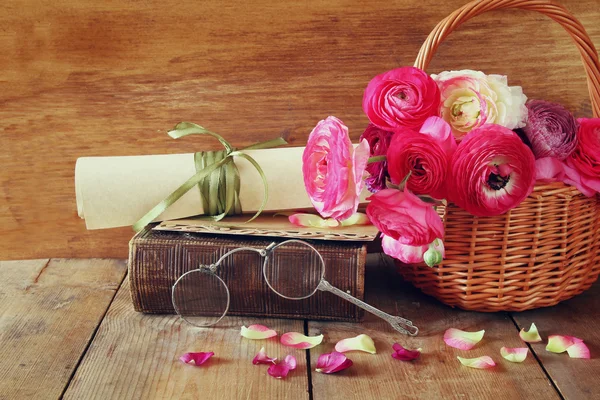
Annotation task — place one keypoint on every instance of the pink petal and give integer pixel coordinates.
(299, 341)
(332, 362)
(549, 169)
(560, 343)
(361, 343)
(440, 130)
(356, 219)
(531, 336)
(482, 362)
(578, 350)
(278, 371)
(262, 358)
(403, 252)
(517, 354)
(312, 221)
(290, 361)
(196, 358)
(281, 370)
(400, 353)
(462, 340)
(257, 332)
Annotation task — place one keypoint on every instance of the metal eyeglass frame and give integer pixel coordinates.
(400, 324)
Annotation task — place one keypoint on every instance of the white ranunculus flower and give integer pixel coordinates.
(471, 99)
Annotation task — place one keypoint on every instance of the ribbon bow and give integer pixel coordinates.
(216, 176)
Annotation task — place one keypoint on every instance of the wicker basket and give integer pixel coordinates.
(542, 252)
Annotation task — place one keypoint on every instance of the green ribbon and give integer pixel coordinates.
(217, 177)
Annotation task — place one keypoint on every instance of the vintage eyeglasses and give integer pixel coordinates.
(202, 298)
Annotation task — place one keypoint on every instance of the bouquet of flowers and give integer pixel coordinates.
(459, 136)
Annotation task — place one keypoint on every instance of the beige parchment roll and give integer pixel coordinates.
(117, 191)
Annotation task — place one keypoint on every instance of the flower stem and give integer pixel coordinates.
(376, 159)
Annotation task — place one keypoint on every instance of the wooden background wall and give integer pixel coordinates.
(91, 78)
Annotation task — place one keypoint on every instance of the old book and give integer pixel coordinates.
(158, 258)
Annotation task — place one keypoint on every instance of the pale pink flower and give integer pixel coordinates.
(333, 169)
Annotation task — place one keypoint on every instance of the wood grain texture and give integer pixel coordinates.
(135, 356)
(579, 317)
(49, 310)
(438, 373)
(83, 78)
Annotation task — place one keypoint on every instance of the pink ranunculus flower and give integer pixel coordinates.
(379, 142)
(491, 171)
(584, 162)
(401, 98)
(471, 99)
(404, 217)
(425, 155)
(333, 169)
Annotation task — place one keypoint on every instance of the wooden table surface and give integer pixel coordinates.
(68, 329)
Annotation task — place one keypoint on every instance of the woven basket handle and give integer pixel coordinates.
(551, 9)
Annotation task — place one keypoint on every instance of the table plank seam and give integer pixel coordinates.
(537, 359)
(93, 336)
(308, 365)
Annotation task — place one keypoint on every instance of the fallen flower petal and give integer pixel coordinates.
(196, 358)
(262, 358)
(400, 353)
(299, 341)
(356, 219)
(482, 362)
(578, 350)
(361, 342)
(560, 343)
(531, 336)
(257, 332)
(517, 354)
(311, 220)
(281, 370)
(332, 362)
(462, 340)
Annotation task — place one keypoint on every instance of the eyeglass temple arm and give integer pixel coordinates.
(398, 323)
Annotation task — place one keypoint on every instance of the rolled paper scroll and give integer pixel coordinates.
(118, 191)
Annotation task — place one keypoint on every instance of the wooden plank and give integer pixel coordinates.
(90, 78)
(437, 374)
(579, 317)
(49, 310)
(135, 356)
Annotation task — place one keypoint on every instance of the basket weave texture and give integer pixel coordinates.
(542, 252)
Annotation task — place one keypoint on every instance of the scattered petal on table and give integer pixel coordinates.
(560, 343)
(332, 362)
(257, 332)
(578, 350)
(196, 358)
(263, 358)
(462, 340)
(299, 341)
(356, 219)
(281, 370)
(531, 336)
(361, 342)
(516, 355)
(400, 353)
(482, 362)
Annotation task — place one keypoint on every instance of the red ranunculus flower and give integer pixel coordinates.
(404, 217)
(401, 98)
(379, 142)
(425, 155)
(491, 172)
(586, 157)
